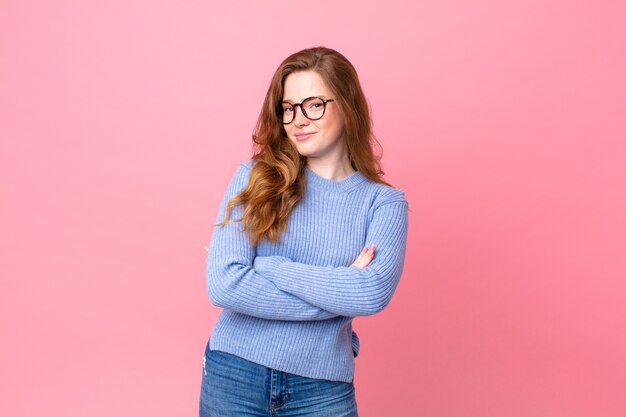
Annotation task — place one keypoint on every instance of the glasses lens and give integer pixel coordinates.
(287, 112)
(313, 108)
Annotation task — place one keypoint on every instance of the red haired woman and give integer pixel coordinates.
(309, 236)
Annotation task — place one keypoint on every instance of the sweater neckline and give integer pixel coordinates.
(318, 182)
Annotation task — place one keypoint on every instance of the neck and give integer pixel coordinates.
(331, 170)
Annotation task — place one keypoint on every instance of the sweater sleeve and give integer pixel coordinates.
(348, 290)
(231, 279)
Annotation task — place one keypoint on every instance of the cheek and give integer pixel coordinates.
(335, 127)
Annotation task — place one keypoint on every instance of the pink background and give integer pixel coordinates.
(504, 122)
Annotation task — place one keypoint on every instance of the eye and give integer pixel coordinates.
(287, 109)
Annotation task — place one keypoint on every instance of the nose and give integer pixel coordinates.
(299, 118)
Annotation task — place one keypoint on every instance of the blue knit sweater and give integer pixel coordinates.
(289, 305)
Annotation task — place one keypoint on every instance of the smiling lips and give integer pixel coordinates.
(305, 135)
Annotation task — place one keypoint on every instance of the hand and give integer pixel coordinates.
(207, 250)
(363, 260)
(365, 257)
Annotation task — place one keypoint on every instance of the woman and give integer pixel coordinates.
(309, 237)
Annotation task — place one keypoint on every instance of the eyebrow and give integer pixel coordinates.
(319, 95)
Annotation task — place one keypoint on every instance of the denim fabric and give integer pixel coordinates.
(235, 387)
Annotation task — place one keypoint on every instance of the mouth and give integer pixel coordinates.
(304, 136)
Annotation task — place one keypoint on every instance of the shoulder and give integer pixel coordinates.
(246, 165)
(239, 177)
(382, 194)
(243, 169)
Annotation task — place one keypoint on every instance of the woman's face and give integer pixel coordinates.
(325, 135)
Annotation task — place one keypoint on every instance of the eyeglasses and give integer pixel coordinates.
(313, 108)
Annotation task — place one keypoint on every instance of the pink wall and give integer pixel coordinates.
(122, 121)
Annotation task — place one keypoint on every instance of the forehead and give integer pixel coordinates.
(302, 84)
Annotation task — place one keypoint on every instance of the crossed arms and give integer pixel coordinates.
(277, 288)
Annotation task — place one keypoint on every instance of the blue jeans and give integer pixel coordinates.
(235, 387)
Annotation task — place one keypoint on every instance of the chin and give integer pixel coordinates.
(305, 153)
(303, 148)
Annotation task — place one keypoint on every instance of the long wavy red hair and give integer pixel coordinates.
(277, 177)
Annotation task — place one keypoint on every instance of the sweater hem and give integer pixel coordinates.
(214, 344)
